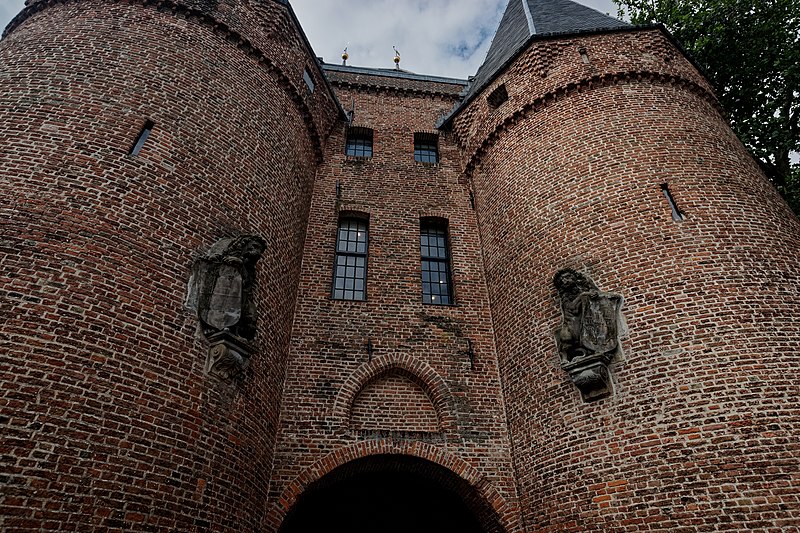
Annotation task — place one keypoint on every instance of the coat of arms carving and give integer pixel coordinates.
(588, 337)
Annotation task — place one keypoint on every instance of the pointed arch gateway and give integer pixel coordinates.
(392, 487)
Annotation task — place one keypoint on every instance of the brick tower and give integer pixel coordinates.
(244, 290)
(110, 420)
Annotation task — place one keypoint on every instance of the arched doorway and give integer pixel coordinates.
(391, 494)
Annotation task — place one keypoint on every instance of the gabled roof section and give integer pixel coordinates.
(524, 19)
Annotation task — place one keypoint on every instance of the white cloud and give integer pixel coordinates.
(442, 37)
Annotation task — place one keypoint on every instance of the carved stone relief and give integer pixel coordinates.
(221, 293)
(588, 337)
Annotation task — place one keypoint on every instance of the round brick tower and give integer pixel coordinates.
(606, 152)
(137, 136)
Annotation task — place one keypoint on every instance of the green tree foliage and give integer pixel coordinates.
(750, 49)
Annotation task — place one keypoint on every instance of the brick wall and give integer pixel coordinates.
(108, 421)
(698, 434)
(393, 402)
(419, 349)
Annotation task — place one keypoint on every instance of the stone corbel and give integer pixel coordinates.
(228, 357)
(591, 376)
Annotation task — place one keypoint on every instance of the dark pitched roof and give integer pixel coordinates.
(511, 35)
(525, 18)
(565, 16)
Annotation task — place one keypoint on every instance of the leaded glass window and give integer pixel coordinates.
(359, 142)
(426, 148)
(350, 265)
(436, 284)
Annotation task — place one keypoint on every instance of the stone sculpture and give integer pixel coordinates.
(221, 293)
(588, 337)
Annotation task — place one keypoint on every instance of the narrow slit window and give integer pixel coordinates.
(584, 56)
(498, 97)
(677, 215)
(350, 263)
(426, 148)
(140, 140)
(309, 81)
(359, 142)
(435, 255)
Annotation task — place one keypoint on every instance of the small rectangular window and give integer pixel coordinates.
(426, 148)
(350, 263)
(435, 254)
(359, 142)
(309, 80)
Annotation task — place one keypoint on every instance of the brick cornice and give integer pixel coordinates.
(478, 150)
(375, 88)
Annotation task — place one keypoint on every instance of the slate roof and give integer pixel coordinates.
(565, 16)
(392, 73)
(525, 18)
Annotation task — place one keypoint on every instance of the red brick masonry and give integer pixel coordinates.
(107, 421)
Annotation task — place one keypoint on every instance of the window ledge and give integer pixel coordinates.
(357, 158)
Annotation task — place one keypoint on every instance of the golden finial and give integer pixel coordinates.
(396, 58)
(345, 56)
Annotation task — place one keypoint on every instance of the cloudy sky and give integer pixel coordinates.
(441, 37)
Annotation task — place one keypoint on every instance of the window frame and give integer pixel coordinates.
(345, 220)
(424, 145)
(359, 133)
(438, 227)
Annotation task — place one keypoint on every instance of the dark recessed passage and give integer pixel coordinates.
(394, 499)
(143, 135)
(677, 215)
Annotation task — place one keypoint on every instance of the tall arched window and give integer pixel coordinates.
(435, 254)
(350, 264)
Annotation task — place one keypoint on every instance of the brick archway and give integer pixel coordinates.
(479, 495)
(418, 371)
